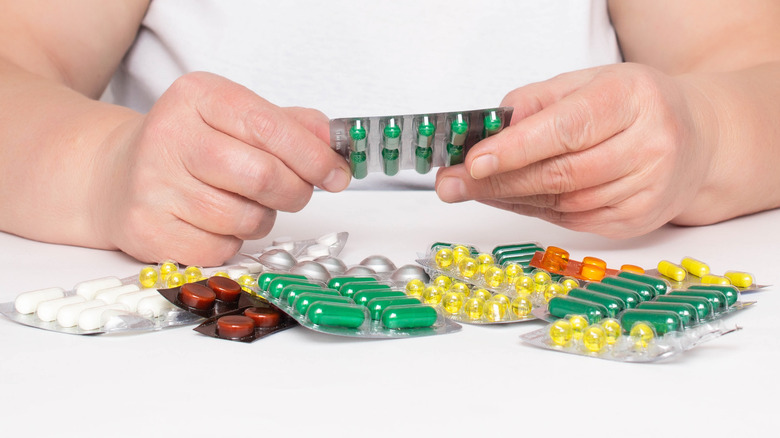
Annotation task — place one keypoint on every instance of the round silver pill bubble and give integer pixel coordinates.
(406, 273)
(380, 264)
(312, 270)
(334, 265)
(360, 270)
(277, 259)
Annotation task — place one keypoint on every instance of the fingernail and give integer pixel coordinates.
(451, 189)
(484, 165)
(337, 180)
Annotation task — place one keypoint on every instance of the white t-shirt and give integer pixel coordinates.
(349, 58)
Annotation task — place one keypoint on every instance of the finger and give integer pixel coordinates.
(311, 119)
(532, 98)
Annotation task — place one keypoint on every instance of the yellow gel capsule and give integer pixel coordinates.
(175, 279)
(612, 330)
(473, 308)
(166, 268)
(148, 276)
(443, 282)
(578, 324)
(695, 267)
(555, 259)
(669, 269)
(495, 310)
(502, 298)
(740, 279)
(460, 252)
(451, 302)
(444, 258)
(482, 293)
(594, 338)
(494, 276)
(468, 267)
(523, 283)
(460, 287)
(632, 268)
(569, 283)
(715, 279)
(541, 280)
(594, 261)
(522, 306)
(561, 332)
(193, 274)
(485, 261)
(432, 295)
(247, 282)
(592, 272)
(220, 274)
(512, 272)
(415, 287)
(642, 334)
(553, 290)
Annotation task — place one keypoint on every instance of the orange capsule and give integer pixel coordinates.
(592, 272)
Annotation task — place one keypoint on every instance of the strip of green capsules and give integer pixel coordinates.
(358, 141)
(423, 152)
(459, 128)
(391, 143)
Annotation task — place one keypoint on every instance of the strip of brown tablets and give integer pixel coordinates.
(263, 316)
(235, 326)
(226, 289)
(197, 296)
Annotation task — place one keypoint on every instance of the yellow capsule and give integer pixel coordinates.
(473, 308)
(443, 282)
(247, 282)
(444, 258)
(460, 287)
(740, 279)
(482, 293)
(541, 280)
(669, 269)
(166, 268)
(594, 338)
(502, 298)
(415, 287)
(468, 267)
(715, 279)
(432, 295)
(524, 285)
(592, 272)
(451, 302)
(148, 276)
(522, 306)
(569, 283)
(495, 310)
(512, 272)
(555, 259)
(485, 261)
(175, 279)
(561, 332)
(632, 268)
(220, 274)
(641, 334)
(459, 252)
(695, 267)
(494, 276)
(553, 290)
(612, 330)
(193, 274)
(578, 324)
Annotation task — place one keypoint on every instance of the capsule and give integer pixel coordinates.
(644, 290)
(492, 124)
(278, 284)
(336, 314)
(671, 270)
(715, 279)
(88, 289)
(695, 267)
(289, 293)
(731, 292)
(687, 312)
(131, 299)
(702, 305)
(459, 128)
(664, 321)
(391, 141)
(337, 282)
(409, 316)
(613, 304)
(92, 318)
(661, 286)
(498, 250)
(740, 279)
(28, 302)
(153, 306)
(629, 297)
(264, 280)
(378, 305)
(350, 289)
(68, 316)
(592, 272)
(304, 300)
(565, 306)
(363, 297)
(423, 153)
(110, 295)
(717, 298)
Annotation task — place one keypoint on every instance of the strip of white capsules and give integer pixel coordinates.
(88, 289)
(47, 310)
(28, 302)
(154, 306)
(111, 294)
(92, 319)
(68, 316)
(131, 299)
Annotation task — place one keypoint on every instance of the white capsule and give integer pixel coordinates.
(88, 289)
(154, 306)
(92, 319)
(68, 316)
(131, 299)
(111, 294)
(47, 310)
(27, 302)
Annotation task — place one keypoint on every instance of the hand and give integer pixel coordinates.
(614, 150)
(207, 168)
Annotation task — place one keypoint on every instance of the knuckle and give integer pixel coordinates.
(264, 125)
(573, 127)
(556, 175)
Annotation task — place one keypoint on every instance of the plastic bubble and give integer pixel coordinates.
(193, 274)
(468, 267)
(452, 302)
(561, 332)
(569, 283)
(432, 295)
(220, 274)
(612, 330)
(443, 282)
(521, 306)
(148, 276)
(594, 338)
(485, 261)
(553, 290)
(175, 279)
(415, 287)
(512, 272)
(494, 276)
(482, 293)
(247, 282)
(459, 252)
(460, 287)
(473, 308)
(578, 324)
(166, 268)
(641, 334)
(444, 258)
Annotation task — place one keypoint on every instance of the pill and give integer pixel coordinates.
(166, 268)
(197, 296)
(473, 308)
(460, 287)
(426, 129)
(512, 271)
(702, 305)
(47, 310)
(457, 138)
(519, 259)
(613, 304)
(432, 295)
(663, 321)
(193, 274)
(644, 290)
(740, 279)
(110, 295)
(68, 316)
(498, 250)
(564, 306)
(521, 306)
(226, 289)
(304, 300)
(409, 316)
(555, 259)
(569, 283)
(148, 276)
(131, 299)
(235, 326)
(292, 291)
(592, 272)
(560, 332)
(612, 329)
(336, 314)
(541, 279)
(524, 285)
(716, 298)
(632, 268)
(595, 261)
(444, 258)
(377, 305)
(518, 251)
(28, 302)
(687, 312)
(594, 338)
(175, 279)
(661, 286)
(715, 279)
(415, 288)
(695, 267)
(263, 316)
(92, 318)
(578, 324)
(452, 302)
(482, 294)
(391, 141)
(264, 280)
(495, 310)
(494, 276)
(363, 297)
(350, 289)
(88, 289)
(247, 282)
(629, 297)
(337, 282)
(468, 267)
(485, 261)
(671, 270)
(642, 334)
(553, 290)
(154, 306)
(730, 291)
(442, 281)
(492, 124)
(278, 284)
(460, 252)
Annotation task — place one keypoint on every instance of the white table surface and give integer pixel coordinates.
(479, 381)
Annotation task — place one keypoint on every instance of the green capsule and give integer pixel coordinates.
(519, 259)
(409, 316)
(492, 125)
(500, 249)
(644, 290)
(661, 286)
(629, 297)
(459, 128)
(702, 305)
(731, 292)
(363, 297)
(423, 152)
(377, 305)
(350, 289)
(687, 312)
(613, 304)
(336, 314)
(278, 284)
(563, 306)
(337, 282)
(264, 280)
(304, 300)
(358, 137)
(289, 293)
(358, 164)
(391, 142)
(717, 298)
(664, 321)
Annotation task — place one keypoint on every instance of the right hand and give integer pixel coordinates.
(207, 168)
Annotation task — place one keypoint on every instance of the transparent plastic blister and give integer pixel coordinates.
(413, 141)
(693, 272)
